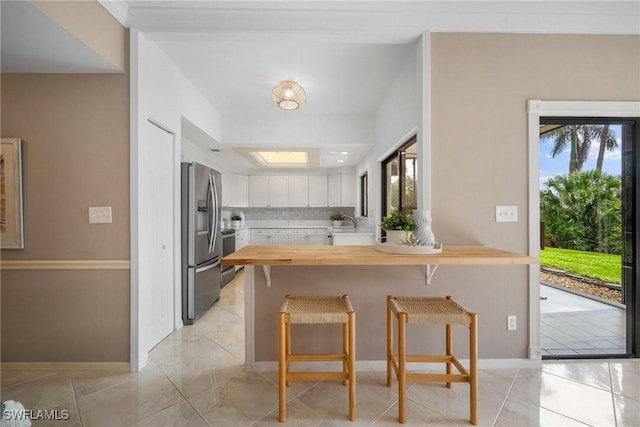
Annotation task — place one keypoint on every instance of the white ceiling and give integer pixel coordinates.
(345, 53)
(237, 77)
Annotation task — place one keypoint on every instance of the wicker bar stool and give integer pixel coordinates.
(424, 310)
(312, 310)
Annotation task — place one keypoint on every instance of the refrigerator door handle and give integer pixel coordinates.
(191, 213)
(209, 220)
(208, 267)
(214, 209)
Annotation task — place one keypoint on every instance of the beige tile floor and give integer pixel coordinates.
(196, 378)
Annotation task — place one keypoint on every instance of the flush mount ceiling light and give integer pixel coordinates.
(288, 95)
(283, 158)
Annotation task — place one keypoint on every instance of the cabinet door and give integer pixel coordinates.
(279, 240)
(259, 191)
(228, 189)
(260, 240)
(348, 189)
(316, 240)
(260, 237)
(318, 191)
(241, 191)
(297, 236)
(279, 191)
(335, 190)
(297, 240)
(299, 191)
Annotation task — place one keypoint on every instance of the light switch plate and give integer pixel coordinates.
(506, 214)
(100, 215)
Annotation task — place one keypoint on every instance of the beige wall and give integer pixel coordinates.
(480, 87)
(75, 133)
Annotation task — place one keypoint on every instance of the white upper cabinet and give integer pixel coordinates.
(279, 191)
(342, 189)
(235, 190)
(349, 185)
(299, 191)
(335, 190)
(315, 191)
(228, 189)
(318, 191)
(259, 191)
(241, 190)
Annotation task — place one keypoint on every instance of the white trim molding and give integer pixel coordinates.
(537, 109)
(50, 367)
(65, 264)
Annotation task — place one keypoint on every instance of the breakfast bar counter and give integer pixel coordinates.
(367, 276)
(368, 255)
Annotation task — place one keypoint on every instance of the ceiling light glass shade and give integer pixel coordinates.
(288, 95)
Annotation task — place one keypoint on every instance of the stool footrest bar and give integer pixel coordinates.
(316, 357)
(317, 376)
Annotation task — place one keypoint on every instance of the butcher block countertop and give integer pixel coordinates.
(368, 255)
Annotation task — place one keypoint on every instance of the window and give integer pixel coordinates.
(400, 179)
(364, 195)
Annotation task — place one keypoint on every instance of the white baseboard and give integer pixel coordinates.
(65, 366)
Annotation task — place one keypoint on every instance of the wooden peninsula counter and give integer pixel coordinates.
(367, 276)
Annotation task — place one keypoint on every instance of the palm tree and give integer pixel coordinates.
(578, 136)
(582, 211)
(608, 141)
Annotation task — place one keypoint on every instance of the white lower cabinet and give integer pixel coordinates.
(288, 236)
(242, 240)
(269, 236)
(307, 236)
(260, 236)
(279, 236)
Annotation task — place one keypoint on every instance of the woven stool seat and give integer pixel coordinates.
(438, 310)
(317, 309)
(431, 310)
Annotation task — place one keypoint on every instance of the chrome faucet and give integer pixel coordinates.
(353, 220)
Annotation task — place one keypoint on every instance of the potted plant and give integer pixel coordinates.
(398, 226)
(337, 219)
(235, 220)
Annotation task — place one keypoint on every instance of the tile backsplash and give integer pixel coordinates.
(286, 214)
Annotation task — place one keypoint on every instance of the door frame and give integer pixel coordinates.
(535, 110)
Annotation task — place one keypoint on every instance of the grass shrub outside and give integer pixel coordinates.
(605, 267)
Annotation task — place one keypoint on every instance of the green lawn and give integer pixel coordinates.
(606, 267)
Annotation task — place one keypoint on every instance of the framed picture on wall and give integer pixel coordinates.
(11, 219)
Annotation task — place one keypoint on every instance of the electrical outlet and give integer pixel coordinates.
(511, 323)
(506, 214)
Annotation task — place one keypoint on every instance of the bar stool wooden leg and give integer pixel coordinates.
(449, 345)
(352, 365)
(389, 342)
(402, 366)
(473, 367)
(282, 367)
(345, 350)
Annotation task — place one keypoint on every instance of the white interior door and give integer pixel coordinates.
(156, 219)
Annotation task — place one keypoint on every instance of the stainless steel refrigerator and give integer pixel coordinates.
(201, 239)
